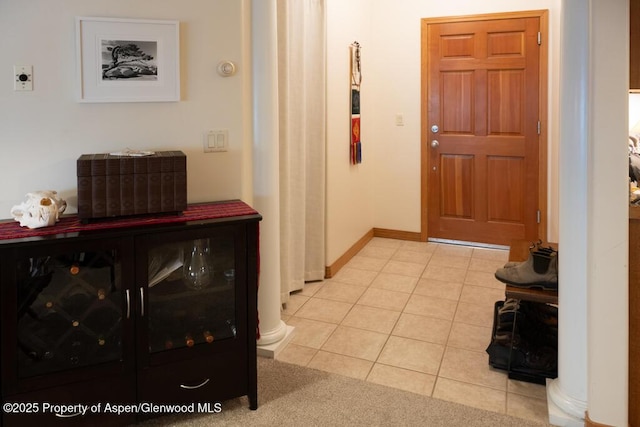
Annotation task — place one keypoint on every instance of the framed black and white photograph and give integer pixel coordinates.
(127, 60)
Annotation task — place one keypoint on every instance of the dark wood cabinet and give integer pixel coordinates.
(155, 310)
(634, 316)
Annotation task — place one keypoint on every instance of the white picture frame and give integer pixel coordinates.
(127, 60)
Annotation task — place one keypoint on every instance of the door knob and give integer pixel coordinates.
(435, 143)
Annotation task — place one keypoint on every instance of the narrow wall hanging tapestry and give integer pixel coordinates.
(356, 78)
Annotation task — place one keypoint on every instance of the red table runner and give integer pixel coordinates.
(72, 224)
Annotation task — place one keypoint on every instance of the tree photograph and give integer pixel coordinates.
(129, 60)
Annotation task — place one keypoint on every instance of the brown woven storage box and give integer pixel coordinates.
(112, 186)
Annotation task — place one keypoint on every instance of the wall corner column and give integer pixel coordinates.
(567, 394)
(274, 333)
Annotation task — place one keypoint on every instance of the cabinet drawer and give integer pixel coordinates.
(39, 407)
(212, 379)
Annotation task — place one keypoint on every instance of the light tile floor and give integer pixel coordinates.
(415, 316)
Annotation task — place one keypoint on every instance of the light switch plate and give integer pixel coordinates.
(216, 141)
(23, 77)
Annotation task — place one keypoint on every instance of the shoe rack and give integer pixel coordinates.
(505, 354)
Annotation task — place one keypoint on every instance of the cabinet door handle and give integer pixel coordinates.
(126, 292)
(141, 301)
(193, 387)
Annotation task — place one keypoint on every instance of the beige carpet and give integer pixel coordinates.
(291, 395)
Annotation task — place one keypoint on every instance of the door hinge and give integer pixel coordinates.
(539, 127)
(538, 215)
(539, 38)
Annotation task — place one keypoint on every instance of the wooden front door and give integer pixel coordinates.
(482, 131)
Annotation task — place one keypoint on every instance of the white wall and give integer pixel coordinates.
(43, 132)
(607, 231)
(350, 193)
(392, 86)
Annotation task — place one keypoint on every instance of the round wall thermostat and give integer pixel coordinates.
(226, 68)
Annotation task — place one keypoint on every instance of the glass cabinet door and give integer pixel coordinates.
(191, 292)
(69, 311)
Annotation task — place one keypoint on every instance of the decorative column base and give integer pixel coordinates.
(273, 342)
(564, 411)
